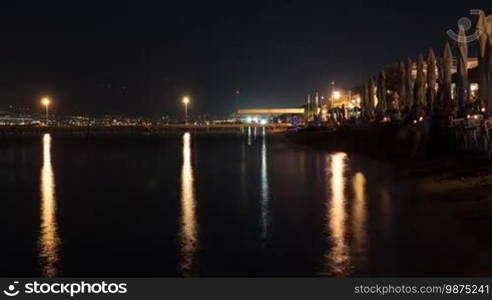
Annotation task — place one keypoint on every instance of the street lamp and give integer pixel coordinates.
(336, 95)
(186, 100)
(46, 102)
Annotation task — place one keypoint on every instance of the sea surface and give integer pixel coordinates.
(188, 204)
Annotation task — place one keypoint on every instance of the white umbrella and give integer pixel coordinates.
(431, 80)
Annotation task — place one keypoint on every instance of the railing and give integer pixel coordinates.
(472, 134)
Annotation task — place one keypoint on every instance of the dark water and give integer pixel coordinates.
(214, 206)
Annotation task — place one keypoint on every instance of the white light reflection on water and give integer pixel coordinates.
(189, 242)
(249, 136)
(49, 241)
(265, 189)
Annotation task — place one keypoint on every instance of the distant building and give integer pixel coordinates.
(269, 115)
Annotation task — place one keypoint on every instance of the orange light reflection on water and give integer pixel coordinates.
(49, 240)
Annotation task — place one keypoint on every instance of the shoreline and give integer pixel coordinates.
(458, 185)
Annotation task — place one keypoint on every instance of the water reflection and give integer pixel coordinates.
(249, 136)
(188, 218)
(338, 256)
(242, 170)
(265, 189)
(49, 240)
(359, 214)
(386, 209)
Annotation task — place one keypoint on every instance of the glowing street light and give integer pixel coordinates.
(186, 100)
(46, 102)
(336, 95)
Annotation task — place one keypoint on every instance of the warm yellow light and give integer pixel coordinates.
(49, 240)
(189, 225)
(186, 100)
(339, 254)
(45, 101)
(337, 95)
(359, 214)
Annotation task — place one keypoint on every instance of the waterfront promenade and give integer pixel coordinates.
(155, 129)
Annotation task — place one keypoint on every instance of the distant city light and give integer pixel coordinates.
(186, 100)
(249, 120)
(263, 122)
(337, 95)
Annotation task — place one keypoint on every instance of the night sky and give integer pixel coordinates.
(140, 57)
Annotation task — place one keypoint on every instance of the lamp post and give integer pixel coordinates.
(46, 102)
(186, 100)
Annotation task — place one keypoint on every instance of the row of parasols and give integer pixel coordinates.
(435, 84)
